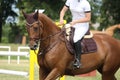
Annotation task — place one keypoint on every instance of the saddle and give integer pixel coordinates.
(88, 43)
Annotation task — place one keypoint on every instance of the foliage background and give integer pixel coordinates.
(105, 12)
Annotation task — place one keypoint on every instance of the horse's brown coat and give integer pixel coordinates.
(57, 60)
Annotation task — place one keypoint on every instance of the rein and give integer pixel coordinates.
(49, 46)
(49, 36)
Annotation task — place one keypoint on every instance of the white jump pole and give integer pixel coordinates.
(21, 73)
(13, 53)
(19, 50)
(9, 49)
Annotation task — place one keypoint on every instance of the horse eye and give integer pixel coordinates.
(35, 28)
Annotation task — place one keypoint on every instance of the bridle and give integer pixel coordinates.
(40, 30)
(40, 38)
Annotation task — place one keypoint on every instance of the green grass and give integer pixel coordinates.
(24, 66)
(83, 78)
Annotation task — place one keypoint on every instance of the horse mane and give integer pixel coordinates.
(47, 21)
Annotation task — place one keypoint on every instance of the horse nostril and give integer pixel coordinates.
(35, 46)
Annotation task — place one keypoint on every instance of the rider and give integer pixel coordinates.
(81, 15)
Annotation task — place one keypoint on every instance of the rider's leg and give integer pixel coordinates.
(77, 46)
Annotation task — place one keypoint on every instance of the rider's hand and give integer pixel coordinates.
(61, 22)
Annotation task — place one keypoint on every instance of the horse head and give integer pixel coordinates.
(33, 26)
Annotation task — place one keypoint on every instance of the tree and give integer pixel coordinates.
(5, 11)
(52, 8)
(110, 13)
(106, 14)
(95, 10)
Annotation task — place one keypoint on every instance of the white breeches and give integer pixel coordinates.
(80, 31)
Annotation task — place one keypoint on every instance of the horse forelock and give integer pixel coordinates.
(30, 18)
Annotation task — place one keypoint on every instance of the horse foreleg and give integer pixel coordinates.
(42, 73)
(53, 75)
(108, 77)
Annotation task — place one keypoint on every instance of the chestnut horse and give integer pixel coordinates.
(54, 58)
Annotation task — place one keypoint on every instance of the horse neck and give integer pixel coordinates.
(49, 28)
(48, 25)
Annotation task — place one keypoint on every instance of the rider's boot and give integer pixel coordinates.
(77, 46)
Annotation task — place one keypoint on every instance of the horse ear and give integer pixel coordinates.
(36, 15)
(25, 15)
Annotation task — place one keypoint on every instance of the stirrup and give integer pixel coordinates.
(77, 64)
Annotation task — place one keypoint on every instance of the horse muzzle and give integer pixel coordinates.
(33, 45)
